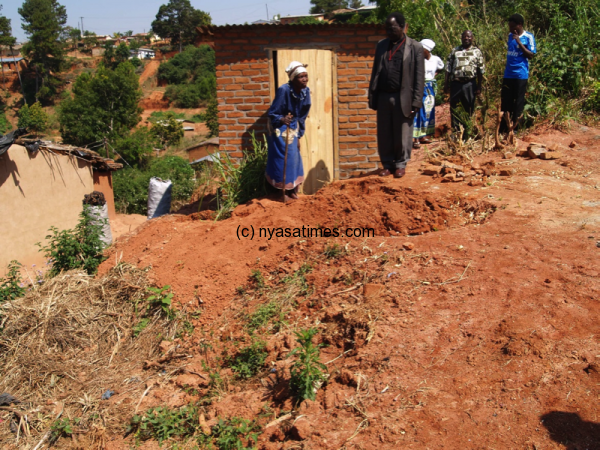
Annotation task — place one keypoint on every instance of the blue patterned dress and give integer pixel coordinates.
(286, 101)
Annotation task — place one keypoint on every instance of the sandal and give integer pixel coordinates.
(425, 141)
(416, 145)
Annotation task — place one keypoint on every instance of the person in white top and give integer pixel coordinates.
(425, 118)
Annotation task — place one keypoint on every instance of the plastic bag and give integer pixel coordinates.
(159, 197)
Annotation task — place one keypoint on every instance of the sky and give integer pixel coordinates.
(108, 16)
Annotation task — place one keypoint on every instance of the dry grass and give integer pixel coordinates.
(63, 345)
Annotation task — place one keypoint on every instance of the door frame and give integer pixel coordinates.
(334, 87)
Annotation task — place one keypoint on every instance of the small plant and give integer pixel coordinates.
(162, 423)
(62, 428)
(298, 281)
(140, 326)
(307, 372)
(258, 278)
(79, 248)
(159, 299)
(249, 360)
(263, 315)
(235, 434)
(333, 251)
(11, 286)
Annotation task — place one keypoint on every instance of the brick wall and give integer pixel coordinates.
(244, 93)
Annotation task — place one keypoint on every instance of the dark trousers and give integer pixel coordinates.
(394, 132)
(462, 94)
(512, 100)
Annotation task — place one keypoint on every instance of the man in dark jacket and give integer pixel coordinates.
(396, 93)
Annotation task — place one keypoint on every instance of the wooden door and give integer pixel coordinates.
(316, 146)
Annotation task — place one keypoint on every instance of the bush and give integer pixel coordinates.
(79, 248)
(212, 117)
(168, 130)
(162, 423)
(131, 185)
(33, 117)
(5, 125)
(136, 147)
(11, 286)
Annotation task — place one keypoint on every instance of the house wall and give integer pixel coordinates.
(244, 91)
(103, 183)
(37, 192)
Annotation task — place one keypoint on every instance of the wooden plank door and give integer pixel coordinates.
(316, 146)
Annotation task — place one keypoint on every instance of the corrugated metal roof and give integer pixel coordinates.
(209, 29)
(13, 59)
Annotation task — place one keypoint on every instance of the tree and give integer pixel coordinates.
(6, 37)
(327, 6)
(43, 22)
(115, 56)
(136, 147)
(355, 4)
(104, 105)
(178, 20)
(74, 36)
(168, 130)
(212, 118)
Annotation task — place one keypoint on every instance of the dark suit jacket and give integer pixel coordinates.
(413, 75)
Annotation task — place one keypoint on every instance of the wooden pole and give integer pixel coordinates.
(287, 135)
(19, 74)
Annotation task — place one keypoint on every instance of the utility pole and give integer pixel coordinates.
(82, 25)
(267, 6)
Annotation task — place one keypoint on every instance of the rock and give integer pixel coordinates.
(476, 182)
(431, 170)
(301, 429)
(557, 148)
(187, 380)
(508, 155)
(447, 170)
(523, 153)
(203, 425)
(573, 144)
(535, 152)
(408, 246)
(449, 165)
(475, 166)
(372, 290)
(550, 155)
(507, 172)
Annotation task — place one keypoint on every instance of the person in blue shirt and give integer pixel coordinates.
(521, 48)
(288, 112)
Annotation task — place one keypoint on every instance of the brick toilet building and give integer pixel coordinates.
(340, 139)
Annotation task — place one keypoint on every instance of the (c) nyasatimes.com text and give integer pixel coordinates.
(244, 232)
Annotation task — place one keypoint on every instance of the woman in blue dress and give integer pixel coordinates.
(288, 112)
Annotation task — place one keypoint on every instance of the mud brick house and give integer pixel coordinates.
(340, 139)
(44, 188)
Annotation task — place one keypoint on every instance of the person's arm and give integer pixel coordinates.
(278, 113)
(526, 52)
(419, 80)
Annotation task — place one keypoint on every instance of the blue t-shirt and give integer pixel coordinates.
(517, 65)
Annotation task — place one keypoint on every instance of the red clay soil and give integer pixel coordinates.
(469, 321)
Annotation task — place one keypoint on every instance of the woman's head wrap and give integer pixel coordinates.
(428, 44)
(294, 69)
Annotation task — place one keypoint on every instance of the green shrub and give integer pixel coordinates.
(263, 315)
(79, 248)
(11, 286)
(136, 147)
(131, 185)
(162, 423)
(33, 117)
(238, 184)
(211, 117)
(308, 373)
(159, 299)
(234, 434)
(62, 428)
(168, 131)
(5, 125)
(249, 360)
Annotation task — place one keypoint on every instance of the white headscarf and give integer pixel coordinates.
(428, 44)
(294, 69)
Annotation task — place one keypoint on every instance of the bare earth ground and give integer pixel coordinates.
(470, 320)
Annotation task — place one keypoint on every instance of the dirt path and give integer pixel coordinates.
(149, 71)
(460, 325)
